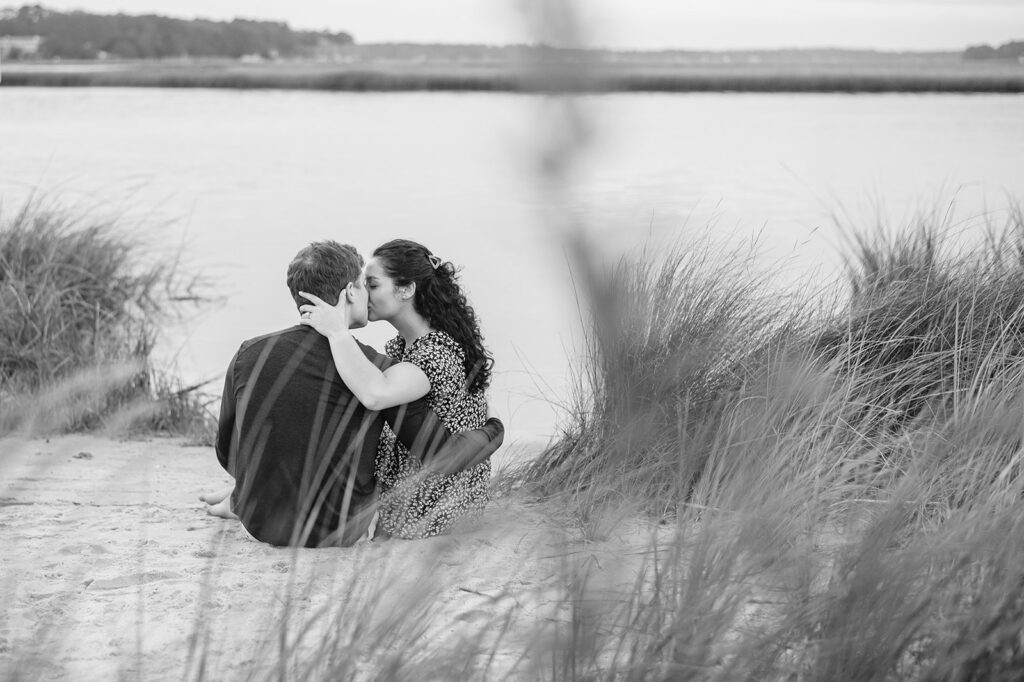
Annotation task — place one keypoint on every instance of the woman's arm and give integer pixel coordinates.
(376, 390)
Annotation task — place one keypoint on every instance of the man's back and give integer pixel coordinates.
(300, 446)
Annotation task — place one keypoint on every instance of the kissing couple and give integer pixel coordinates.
(330, 441)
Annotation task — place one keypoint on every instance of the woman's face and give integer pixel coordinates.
(385, 298)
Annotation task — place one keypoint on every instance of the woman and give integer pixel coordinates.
(441, 356)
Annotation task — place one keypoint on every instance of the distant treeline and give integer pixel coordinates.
(80, 35)
(1013, 51)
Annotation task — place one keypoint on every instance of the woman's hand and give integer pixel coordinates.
(330, 320)
(401, 383)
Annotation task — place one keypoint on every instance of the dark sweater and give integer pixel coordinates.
(301, 447)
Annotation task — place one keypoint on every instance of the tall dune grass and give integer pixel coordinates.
(682, 344)
(839, 493)
(928, 325)
(82, 305)
(670, 339)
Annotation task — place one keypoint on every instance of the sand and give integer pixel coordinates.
(112, 569)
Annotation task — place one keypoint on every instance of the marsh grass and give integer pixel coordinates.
(534, 75)
(82, 305)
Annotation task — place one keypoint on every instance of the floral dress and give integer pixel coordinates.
(421, 507)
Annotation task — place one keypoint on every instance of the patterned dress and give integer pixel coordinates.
(423, 507)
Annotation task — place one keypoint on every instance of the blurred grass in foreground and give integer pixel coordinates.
(81, 306)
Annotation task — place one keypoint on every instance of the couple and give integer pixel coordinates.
(322, 433)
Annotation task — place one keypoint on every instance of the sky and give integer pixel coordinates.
(625, 24)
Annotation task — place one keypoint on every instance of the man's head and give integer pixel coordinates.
(325, 269)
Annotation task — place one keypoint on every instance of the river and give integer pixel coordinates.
(241, 180)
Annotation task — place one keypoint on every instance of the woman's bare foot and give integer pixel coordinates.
(222, 509)
(217, 497)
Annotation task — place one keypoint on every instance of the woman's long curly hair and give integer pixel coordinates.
(440, 300)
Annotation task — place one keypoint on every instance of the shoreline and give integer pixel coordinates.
(583, 78)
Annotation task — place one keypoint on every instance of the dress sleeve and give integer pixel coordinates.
(393, 347)
(441, 363)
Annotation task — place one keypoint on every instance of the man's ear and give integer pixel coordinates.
(347, 293)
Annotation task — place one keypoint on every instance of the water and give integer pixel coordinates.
(242, 180)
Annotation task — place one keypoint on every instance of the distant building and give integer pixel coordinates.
(19, 46)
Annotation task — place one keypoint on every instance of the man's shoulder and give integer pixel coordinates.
(379, 359)
(264, 338)
(282, 338)
(286, 339)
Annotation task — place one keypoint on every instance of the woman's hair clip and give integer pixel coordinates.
(435, 262)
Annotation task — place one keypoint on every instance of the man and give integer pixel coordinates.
(300, 446)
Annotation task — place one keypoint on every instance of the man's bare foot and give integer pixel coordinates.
(217, 497)
(378, 534)
(222, 509)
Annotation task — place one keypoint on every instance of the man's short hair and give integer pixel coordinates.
(323, 269)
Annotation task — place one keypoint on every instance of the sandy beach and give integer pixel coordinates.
(114, 570)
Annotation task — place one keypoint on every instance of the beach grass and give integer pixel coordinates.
(681, 343)
(83, 304)
(836, 493)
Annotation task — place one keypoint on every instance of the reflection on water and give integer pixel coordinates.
(244, 180)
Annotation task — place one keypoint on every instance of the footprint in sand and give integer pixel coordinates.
(474, 616)
(130, 580)
(217, 603)
(83, 548)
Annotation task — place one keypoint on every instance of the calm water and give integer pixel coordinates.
(244, 179)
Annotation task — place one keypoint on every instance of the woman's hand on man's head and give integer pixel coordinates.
(329, 320)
